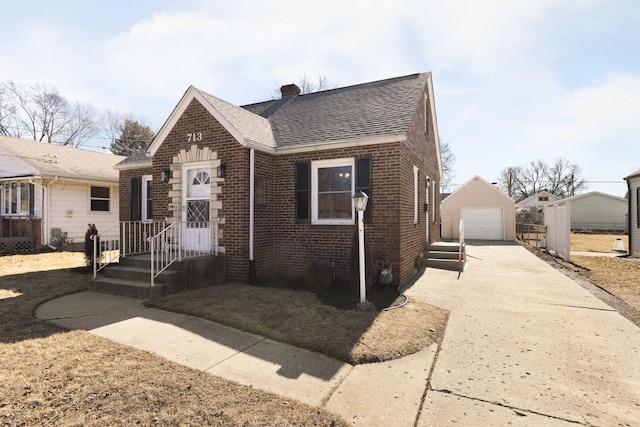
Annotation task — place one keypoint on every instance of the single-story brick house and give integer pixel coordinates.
(278, 176)
(633, 184)
(49, 193)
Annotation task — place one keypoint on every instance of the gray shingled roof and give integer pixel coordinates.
(376, 109)
(252, 127)
(64, 162)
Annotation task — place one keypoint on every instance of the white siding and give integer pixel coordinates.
(11, 166)
(70, 210)
(598, 212)
(634, 243)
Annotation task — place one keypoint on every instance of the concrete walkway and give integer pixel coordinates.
(524, 346)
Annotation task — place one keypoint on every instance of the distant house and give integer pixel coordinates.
(598, 211)
(488, 213)
(49, 193)
(531, 209)
(633, 183)
(277, 177)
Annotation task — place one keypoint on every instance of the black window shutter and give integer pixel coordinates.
(363, 182)
(136, 199)
(303, 185)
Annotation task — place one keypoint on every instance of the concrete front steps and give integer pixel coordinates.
(445, 255)
(131, 277)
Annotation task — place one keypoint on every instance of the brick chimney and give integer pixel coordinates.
(289, 90)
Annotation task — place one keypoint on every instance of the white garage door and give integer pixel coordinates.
(483, 223)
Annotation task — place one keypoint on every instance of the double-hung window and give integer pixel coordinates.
(15, 198)
(100, 198)
(333, 185)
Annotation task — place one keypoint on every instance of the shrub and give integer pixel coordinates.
(88, 244)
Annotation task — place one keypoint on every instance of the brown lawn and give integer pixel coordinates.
(620, 276)
(597, 242)
(52, 376)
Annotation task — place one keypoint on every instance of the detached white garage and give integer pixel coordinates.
(488, 213)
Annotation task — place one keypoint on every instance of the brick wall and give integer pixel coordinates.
(282, 246)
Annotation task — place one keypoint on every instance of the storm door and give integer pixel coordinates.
(196, 212)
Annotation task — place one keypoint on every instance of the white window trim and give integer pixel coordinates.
(315, 165)
(144, 214)
(433, 204)
(415, 194)
(91, 211)
(6, 188)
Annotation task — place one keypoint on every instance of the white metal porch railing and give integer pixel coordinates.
(121, 239)
(181, 240)
(166, 243)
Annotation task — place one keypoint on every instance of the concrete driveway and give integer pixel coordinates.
(526, 345)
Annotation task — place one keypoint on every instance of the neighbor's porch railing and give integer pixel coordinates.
(181, 240)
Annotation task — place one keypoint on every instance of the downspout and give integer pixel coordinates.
(45, 201)
(45, 215)
(252, 264)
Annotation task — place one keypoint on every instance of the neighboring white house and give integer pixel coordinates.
(633, 183)
(531, 209)
(538, 200)
(488, 213)
(50, 193)
(598, 211)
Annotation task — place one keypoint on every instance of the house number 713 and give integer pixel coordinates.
(195, 136)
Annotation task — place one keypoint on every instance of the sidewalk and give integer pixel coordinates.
(380, 394)
(524, 345)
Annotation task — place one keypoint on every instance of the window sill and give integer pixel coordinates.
(333, 222)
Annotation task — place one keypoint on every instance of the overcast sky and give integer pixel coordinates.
(514, 81)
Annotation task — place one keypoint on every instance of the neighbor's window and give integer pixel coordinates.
(100, 199)
(543, 198)
(15, 198)
(333, 187)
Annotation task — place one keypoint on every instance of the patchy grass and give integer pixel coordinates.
(54, 377)
(300, 318)
(596, 242)
(619, 276)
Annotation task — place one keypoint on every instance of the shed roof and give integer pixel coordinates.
(44, 159)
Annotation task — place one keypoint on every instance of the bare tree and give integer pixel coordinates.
(44, 115)
(562, 179)
(448, 158)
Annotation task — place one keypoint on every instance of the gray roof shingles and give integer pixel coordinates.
(57, 160)
(376, 109)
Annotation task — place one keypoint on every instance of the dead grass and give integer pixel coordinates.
(596, 242)
(619, 276)
(299, 318)
(54, 377)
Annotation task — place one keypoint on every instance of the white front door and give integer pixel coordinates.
(196, 212)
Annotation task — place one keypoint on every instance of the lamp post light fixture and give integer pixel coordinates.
(360, 200)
